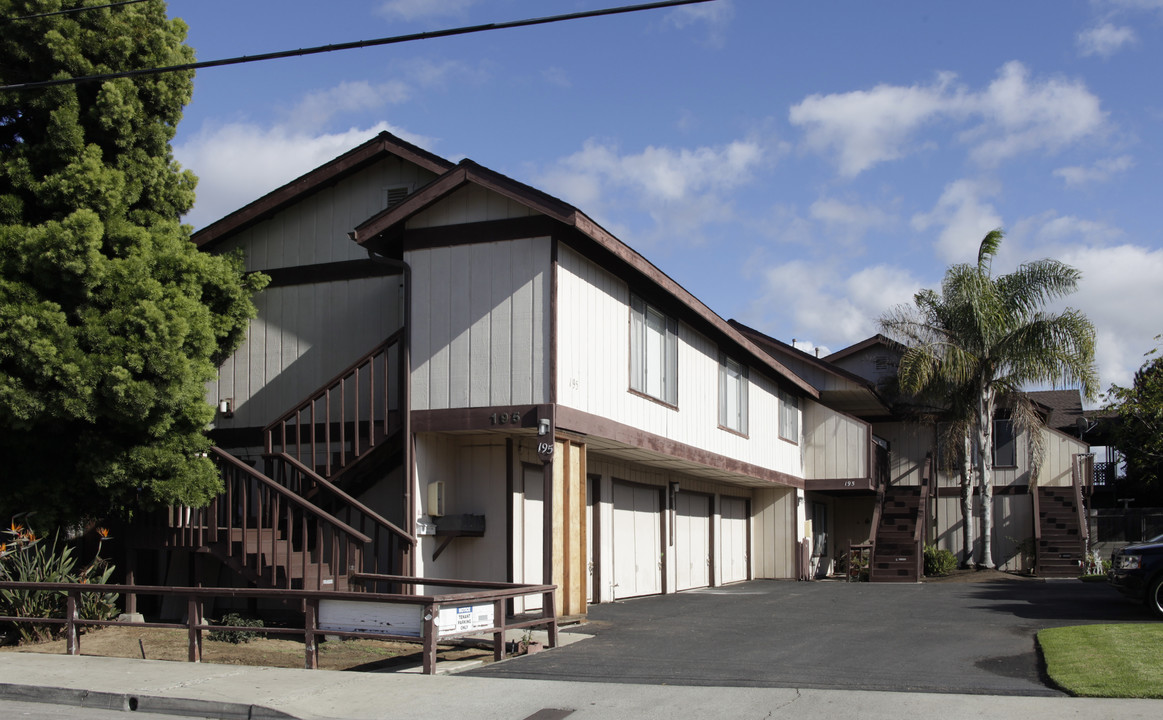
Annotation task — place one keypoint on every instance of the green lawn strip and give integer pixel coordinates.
(1112, 661)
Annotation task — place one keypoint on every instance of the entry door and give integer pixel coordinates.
(819, 538)
(637, 540)
(733, 539)
(532, 532)
(692, 539)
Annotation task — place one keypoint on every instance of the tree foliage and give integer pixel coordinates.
(1138, 431)
(982, 338)
(111, 321)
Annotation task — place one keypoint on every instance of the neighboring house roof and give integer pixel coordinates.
(873, 341)
(383, 145)
(839, 389)
(382, 230)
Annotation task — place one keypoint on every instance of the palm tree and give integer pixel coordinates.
(988, 337)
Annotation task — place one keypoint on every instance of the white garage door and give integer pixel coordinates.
(692, 539)
(637, 540)
(735, 554)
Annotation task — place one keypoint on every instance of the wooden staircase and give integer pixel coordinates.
(1059, 545)
(897, 551)
(294, 526)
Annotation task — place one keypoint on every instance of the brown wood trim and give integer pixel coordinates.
(726, 429)
(589, 424)
(652, 399)
(480, 232)
(461, 419)
(328, 272)
(819, 484)
(955, 491)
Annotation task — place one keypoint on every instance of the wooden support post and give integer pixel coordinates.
(194, 633)
(72, 637)
(311, 623)
(549, 610)
(499, 635)
(429, 651)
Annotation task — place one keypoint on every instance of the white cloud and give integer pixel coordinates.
(868, 127)
(1105, 39)
(963, 216)
(823, 306)
(317, 108)
(1014, 115)
(1022, 116)
(680, 189)
(716, 16)
(422, 9)
(848, 222)
(1119, 290)
(239, 163)
(1101, 171)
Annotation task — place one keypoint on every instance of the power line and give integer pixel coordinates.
(354, 45)
(69, 11)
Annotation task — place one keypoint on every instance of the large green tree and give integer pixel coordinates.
(1138, 425)
(111, 321)
(989, 337)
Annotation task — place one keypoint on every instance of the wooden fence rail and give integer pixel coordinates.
(427, 606)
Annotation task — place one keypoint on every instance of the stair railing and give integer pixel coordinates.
(345, 418)
(262, 528)
(1082, 474)
(388, 546)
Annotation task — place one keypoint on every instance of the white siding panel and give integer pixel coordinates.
(593, 374)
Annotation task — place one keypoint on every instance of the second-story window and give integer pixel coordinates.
(732, 395)
(789, 417)
(1004, 447)
(653, 352)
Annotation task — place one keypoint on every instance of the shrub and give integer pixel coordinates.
(938, 561)
(236, 637)
(26, 558)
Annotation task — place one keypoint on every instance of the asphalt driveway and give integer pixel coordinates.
(975, 637)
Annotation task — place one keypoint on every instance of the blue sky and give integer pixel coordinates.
(801, 167)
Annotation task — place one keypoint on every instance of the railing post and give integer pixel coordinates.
(72, 638)
(429, 648)
(311, 623)
(549, 609)
(499, 635)
(194, 633)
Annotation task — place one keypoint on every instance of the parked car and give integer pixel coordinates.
(1137, 572)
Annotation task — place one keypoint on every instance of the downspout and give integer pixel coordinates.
(405, 402)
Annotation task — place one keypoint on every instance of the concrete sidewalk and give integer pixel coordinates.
(223, 691)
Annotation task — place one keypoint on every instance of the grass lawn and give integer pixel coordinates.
(1115, 661)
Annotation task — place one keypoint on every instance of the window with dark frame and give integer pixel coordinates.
(789, 417)
(1005, 450)
(732, 395)
(653, 352)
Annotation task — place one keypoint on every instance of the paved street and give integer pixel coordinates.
(935, 637)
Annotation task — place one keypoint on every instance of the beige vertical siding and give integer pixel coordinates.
(835, 445)
(314, 230)
(774, 533)
(303, 336)
(1059, 458)
(481, 324)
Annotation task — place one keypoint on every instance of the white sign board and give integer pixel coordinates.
(453, 620)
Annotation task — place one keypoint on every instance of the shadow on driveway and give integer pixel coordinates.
(975, 637)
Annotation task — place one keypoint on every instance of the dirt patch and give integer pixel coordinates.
(169, 644)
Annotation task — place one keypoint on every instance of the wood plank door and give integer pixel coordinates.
(692, 540)
(735, 555)
(637, 540)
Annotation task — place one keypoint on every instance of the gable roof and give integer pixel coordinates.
(383, 145)
(873, 341)
(383, 229)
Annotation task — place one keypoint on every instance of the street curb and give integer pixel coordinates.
(130, 702)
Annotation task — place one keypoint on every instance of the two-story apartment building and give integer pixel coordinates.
(553, 407)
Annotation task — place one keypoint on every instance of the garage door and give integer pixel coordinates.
(692, 540)
(637, 540)
(735, 553)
